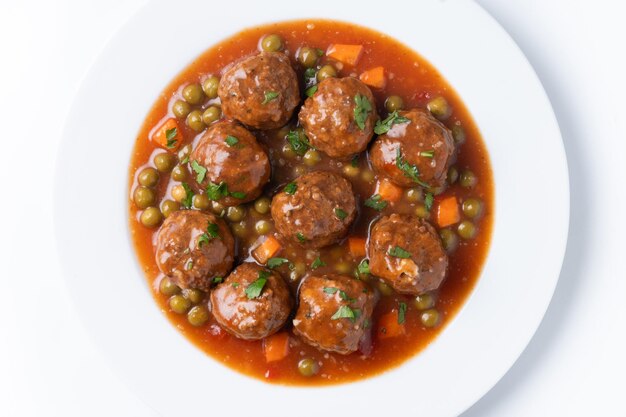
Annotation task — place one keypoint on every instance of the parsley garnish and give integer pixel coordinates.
(170, 135)
(428, 154)
(290, 188)
(198, 169)
(310, 91)
(188, 200)
(398, 252)
(276, 262)
(185, 160)
(342, 294)
(235, 284)
(409, 170)
(309, 77)
(376, 202)
(231, 140)
(189, 265)
(269, 96)
(346, 312)
(317, 263)
(340, 213)
(238, 194)
(212, 232)
(401, 313)
(355, 161)
(364, 267)
(383, 127)
(216, 191)
(254, 290)
(298, 142)
(362, 109)
(428, 201)
(217, 280)
(301, 237)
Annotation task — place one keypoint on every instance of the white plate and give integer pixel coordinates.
(532, 208)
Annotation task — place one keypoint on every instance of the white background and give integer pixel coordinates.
(576, 363)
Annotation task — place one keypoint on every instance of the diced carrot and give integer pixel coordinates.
(388, 325)
(448, 212)
(267, 249)
(356, 246)
(276, 347)
(168, 135)
(374, 77)
(348, 54)
(388, 191)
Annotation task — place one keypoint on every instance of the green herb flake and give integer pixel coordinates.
(309, 77)
(189, 265)
(364, 267)
(185, 160)
(291, 188)
(345, 312)
(398, 252)
(317, 263)
(188, 200)
(429, 198)
(340, 213)
(355, 161)
(212, 232)
(254, 290)
(170, 135)
(199, 170)
(384, 126)
(238, 194)
(310, 91)
(428, 154)
(320, 52)
(269, 96)
(217, 280)
(409, 170)
(342, 294)
(231, 140)
(301, 238)
(235, 284)
(276, 262)
(298, 142)
(401, 313)
(376, 202)
(216, 191)
(362, 109)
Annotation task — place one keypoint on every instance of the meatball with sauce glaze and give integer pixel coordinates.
(231, 155)
(330, 121)
(406, 252)
(315, 210)
(423, 142)
(192, 247)
(252, 303)
(260, 91)
(334, 312)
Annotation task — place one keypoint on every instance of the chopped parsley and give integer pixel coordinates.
(310, 91)
(317, 263)
(301, 237)
(235, 284)
(398, 252)
(428, 154)
(376, 202)
(355, 161)
(409, 170)
(401, 313)
(170, 136)
(362, 109)
(212, 232)
(216, 191)
(276, 262)
(345, 312)
(238, 194)
(428, 201)
(254, 290)
(189, 265)
(290, 188)
(231, 140)
(199, 170)
(309, 77)
(188, 200)
(340, 213)
(298, 141)
(269, 96)
(364, 267)
(342, 294)
(217, 280)
(384, 126)
(185, 160)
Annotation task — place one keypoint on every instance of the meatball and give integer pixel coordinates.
(252, 303)
(192, 247)
(334, 312)
(407, 253)
(233, 159)
(315, 210)
(330, 121)
(260, 91)
(422, 142)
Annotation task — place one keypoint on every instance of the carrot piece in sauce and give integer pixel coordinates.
(276, 347)
(388, 191)
(448, 212)
(374, 77)
(348, 54)
(168, 135)
(356, 246)
(270, 247)
(388, 325)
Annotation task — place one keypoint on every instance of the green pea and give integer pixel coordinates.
(263, 227)
(165, 161)
(239, 229)
(262, 205)
(151, 217)
(235, 214)
(179, 173)
(453, 175)
(201, 201)
(193, 94)
(288, 151)
(466, 229)
(179, 304)
(350, 171)
(367, 176)
(184, 152)
(472, 207)
(327, 71)
(210, 86)
(197, 316)
(193, 295)
(430, 317)
(299, 170)
(343, 267)
(148, 177)
(308, 367)
(458, 134)
(439, 108)
(414, 195)
(211, 114)
(421, 211)
(178, 193)
(424, 301)
(384, 288)
(307, 57)
(311, 157)
(468, 179)
(169, 206)
(449, 239)
(394, 103)
(194, 121)
(167, 287)
(217, 208)
(144, 197)
(299, 268)
(272, 43)
(181, 109)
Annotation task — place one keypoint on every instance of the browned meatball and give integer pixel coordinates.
(260, 91)
(232, 157)
(192, 247)
(315, 210)
(423, 143)
(334, 312)
(252, 303)
(329, 117)
(407, 253)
